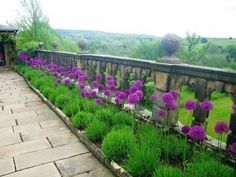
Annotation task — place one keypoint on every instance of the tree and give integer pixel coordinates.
(230, 52)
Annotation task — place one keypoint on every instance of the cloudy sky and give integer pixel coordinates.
(210, 18)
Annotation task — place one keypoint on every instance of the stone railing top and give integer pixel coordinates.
(182, 69)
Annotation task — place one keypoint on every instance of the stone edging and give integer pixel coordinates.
(115, 168)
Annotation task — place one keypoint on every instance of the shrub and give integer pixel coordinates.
(123, 118)
(47, 91)
(59, 90)
(29, 75)
(143, 161)
(71, 108)
(166, 171)
(96, 130)
(90, 106)
(62, 100)
(205, 165)
(105, 115)
(118, 144)
(81, 119)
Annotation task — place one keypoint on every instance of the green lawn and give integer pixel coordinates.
(222, 109)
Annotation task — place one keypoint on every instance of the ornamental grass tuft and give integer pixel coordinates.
(82, 119)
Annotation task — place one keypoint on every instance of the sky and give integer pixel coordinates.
(208, 18)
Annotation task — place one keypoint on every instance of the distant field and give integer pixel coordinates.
(222, 109)
(222, 41)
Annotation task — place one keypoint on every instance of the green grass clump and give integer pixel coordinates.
(143, 161)
(105, 115)
(167, 171)
(90, 106)
(96, 130)
(62, 100)
(29, 74)
(206, 165)
(47, 91)
(82, 119)
(118, 144)
(122, 118)
(71, 108)
(59, 91)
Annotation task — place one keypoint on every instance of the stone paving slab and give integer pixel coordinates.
(33, 139)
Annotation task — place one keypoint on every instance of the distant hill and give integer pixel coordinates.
(94, 35)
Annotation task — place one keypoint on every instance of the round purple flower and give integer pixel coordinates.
(127, 92)
(167, 98)
(233, 148)
(161, 113)
(82, 93)
(112, 87)
(139, 93)
(94, 84)
(153, 98)
(93, 93)
(98, 101)
(234, 108)
(81, 86)
(206, 105)
(197, 133)
(98, 77)
(107, 92)
(117, 100)
(86, 93)
(121, 95)
(101, 87)
(138, 83)
(133, 99)
(185, 129)
(66, 81)
(171, 106)
(109, 78)
(81, 79)
(133, 89)
(190, 105)
(175, 94)
(221, 127)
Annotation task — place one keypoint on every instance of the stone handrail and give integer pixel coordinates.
(167, 77)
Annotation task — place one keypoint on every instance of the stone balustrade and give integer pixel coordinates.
(167, 77)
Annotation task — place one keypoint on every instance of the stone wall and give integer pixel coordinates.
(167, 77)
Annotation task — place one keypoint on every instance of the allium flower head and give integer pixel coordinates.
(112, 87)
(139, 93)
(234, 108)
(161, 113)
(107, 92)
(206, 105)
(138, 84)
(185, 129)
(233, 148)
(190, 105)
(121, 95)
(117, 100)
(175, 94)
(221, 127)
(101, 87)
(109, 78)
(98, 77)
(81, 86)
(167, 98)
(66, 81)
(133, 98)
(133, 89)
(86, 93)
(197, 133)
(171, 106)
(98, 101)
(153, 98)
(94, 84)
(93, 93)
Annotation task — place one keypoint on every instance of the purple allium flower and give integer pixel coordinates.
(109, 78)
(80, 73)
(121, 95)
(161, 113)
(107, 92)
(98, 101)
(190, 105)
(71, 75)
(133, 98)
(233, 148)
(171, 106)
(234, 108)
(167, 98)
(81, 86)
(93, 93)
(112, 87)
(94, 84)
(81, 79)
(98, 76)
(133, 89)
(82, 93)
(175, 94)
(117, 100)
(127, 92)
(110, 82)
(66, 81)
(197, 133)
(138, 83)
(206, 105)
(101, 87)
(185, 129)
(139, 93)
(153, 98)
(86, 93)
(221, 127)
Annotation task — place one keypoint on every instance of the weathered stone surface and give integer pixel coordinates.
(6, 166)
(9, 139)
(27, 128)
(7, 123)
(162, 81)
(200, 89)
(47, 170)
(59, 140)
(51, 123)
(100, 172)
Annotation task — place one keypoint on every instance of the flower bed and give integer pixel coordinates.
(142, 149)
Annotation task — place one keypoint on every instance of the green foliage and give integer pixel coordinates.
(96, 130)
(90, 106)
(143, 161)
(59, 90)
(47, 91)
(206, 165)
(118, 144)
(105, 115)
(62, 100)
(71, 108)
(82, 119)
(122, 118)
(149, 91)
(167, 171)
(30, 75)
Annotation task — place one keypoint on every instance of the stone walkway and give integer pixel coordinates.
(34, 142)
